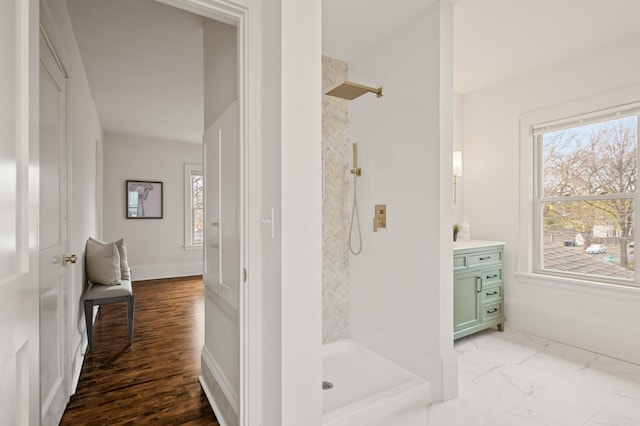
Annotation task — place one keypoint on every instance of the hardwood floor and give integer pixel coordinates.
(155, 379)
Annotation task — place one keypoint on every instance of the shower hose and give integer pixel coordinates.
(355, 215)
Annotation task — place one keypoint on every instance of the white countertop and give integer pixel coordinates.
(472, 244)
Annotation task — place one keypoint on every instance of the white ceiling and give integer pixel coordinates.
(351, 27)
(144, 59)
(495, 40)
(144, 64)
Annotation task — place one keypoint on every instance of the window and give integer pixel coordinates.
(194, 206)
(585, 180)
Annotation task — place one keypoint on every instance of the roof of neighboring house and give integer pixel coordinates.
(572, 259)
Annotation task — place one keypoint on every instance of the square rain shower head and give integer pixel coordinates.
(350, 91)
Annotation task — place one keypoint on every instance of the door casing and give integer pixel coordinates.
(247, 23)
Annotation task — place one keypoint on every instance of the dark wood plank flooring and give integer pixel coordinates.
(155, 379)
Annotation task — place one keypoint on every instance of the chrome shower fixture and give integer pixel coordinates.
(350, 91)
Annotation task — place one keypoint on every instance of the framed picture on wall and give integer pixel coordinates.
(144, 199)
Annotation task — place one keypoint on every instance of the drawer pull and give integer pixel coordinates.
(492, 294)
(492, 311)
(485, 258)
(492, 276)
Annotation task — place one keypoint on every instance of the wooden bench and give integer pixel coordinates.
(98, 294)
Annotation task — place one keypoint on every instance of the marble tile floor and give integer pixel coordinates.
(514, 379)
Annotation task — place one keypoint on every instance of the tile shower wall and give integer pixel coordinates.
(336, 151)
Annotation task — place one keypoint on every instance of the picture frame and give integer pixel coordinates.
(143, 199)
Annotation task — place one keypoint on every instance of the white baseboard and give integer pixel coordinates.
(78, 361)
(216, 388)
(212, 401)
(154, 272)
(603, 334)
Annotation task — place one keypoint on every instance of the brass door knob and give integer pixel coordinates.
(70, 258)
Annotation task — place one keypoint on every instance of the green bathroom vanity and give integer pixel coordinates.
(478, 301)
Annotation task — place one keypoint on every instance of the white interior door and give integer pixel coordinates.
(222, 189)
(19, 372)
(53, 238)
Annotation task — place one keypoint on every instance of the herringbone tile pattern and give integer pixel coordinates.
(336, 151)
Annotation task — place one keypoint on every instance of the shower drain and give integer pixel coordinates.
(326, 385)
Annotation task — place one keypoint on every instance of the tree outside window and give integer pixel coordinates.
(193, 207)
(197, 208)
(586, 197)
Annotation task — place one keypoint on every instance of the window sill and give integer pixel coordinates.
(613, 291)
(192, 248)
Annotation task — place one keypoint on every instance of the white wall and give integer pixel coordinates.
(84, 131)
(272, 384)
(301, 211)
(220, 69)
(154, 246)
(291, 183)
(602, 321)
(403, 136)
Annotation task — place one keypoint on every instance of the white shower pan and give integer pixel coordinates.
(366, 386)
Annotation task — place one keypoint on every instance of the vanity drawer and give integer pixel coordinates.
(459, 262)
(484, 257)
(491, 276)
(491, 294)
(491, 311)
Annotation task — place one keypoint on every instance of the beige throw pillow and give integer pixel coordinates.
(103, 264)
(124, 262)
(125, 271)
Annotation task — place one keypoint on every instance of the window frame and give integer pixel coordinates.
(530, 266)
(189, 170)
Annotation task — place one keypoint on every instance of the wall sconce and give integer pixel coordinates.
(457, 171)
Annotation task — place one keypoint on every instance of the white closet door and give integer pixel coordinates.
(222, 211)
(53, 238)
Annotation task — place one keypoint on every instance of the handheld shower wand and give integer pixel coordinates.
(356, 172)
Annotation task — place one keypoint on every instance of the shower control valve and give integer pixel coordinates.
(380, 217)
(356, 171)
